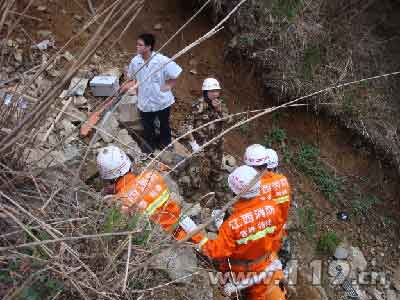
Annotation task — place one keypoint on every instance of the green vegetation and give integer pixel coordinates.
(116, 221)
(286, 8)
(363, 205)
(328, 243)
(276, 136)
(307, 160)
(34, 286)
(43, 288)
(307, 220)
(113, 220)
(247, 40)
(244, 129)
(312, 57)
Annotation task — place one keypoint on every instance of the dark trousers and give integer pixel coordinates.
(147, 119)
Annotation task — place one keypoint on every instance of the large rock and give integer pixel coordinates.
(178, 263)
(128, 144)
(128, 114)
(396, 279)
(77, 86)
(357, 261)
(228, 163)
(74, 115)
(42, 159)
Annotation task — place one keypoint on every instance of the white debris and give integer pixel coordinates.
(68, 56)
(43, 45)
(77, 86)
(80, 101)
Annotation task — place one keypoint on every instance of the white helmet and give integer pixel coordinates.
(112, 162)
(273, 160)
(210, 84)
(258, 155)
(240, 178)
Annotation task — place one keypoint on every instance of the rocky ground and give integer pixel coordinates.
(367, 242)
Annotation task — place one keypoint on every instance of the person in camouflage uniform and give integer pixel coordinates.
(204, 110)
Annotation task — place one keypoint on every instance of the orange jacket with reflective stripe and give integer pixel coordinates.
(276, 187)
(149, 193)
(247, 234)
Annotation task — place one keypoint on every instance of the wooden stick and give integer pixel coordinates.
(91, 7)
(70, 238)
(127, 263)
(57, 119)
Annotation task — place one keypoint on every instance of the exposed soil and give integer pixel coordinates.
(342, 152)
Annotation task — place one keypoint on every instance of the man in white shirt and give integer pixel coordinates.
(153, 76)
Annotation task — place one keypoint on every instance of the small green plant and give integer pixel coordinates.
(328, 243)
(113, 220)
(286, 8)
(44, 288)
(389, 221)
(244, 129)
(307, 220)
(312, 58)
(276, 136)
(247, 40)
(307, 160)
(362, 206)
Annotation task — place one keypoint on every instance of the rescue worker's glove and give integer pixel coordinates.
(195, 146)
(284, 285)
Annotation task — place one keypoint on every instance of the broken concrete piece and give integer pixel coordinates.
(181, 149)
(41, 8)
(42, 159)
(44, 33)
(128, 144)
(358, 263)
(77, 86)
(80, 101)
(127, 112)
(43, 45)
(396, 279)
(228, 163)
(178, 263)
(74, 115)
(109, 130)
(18, 55)
(158, 26)
(64, 94)
(68, 56)
(68, 127)
(113, 72)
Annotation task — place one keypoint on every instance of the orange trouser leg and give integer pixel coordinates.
(267, 290)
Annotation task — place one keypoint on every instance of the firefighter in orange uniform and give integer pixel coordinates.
(245, 240)
(146, 193)
(274, 186)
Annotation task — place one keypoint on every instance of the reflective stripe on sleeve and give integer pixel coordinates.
(257, 235)
(157, 203)
(202, 242)
(282, 199)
